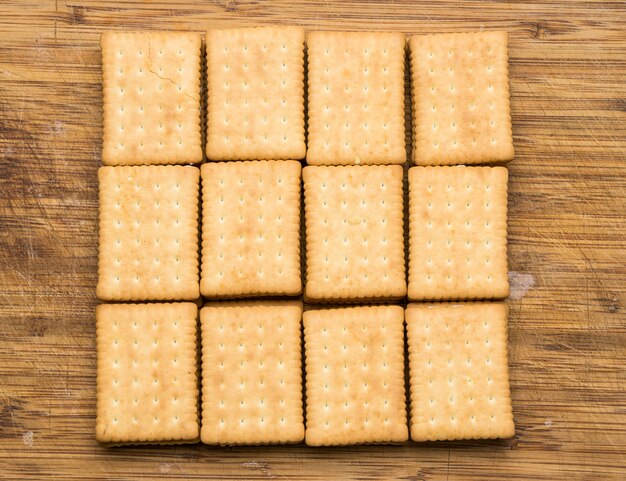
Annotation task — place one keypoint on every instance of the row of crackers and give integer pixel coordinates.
(255, 97)
(353, 234)
(251, 373)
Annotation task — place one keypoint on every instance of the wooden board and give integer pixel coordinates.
(567, 249)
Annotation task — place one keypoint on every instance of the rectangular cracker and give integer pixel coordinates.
(355, 376)
(147, 383)
(148, 233)
(356, 98)
(151, 89)
(459, 371)
(251, 229)
(354, 233)
(255, 82)
(251, 373)
(460, 94)
(457, 233)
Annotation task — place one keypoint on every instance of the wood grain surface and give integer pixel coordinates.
(567, 250)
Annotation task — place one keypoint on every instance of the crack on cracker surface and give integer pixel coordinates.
(164, 78)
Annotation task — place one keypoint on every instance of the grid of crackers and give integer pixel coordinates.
(252, 262)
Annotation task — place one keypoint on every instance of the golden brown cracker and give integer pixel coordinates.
(251, 372)
(148, 233)
(355, 376)
(151, 89)
(459, 371)
(251, 229)
(458, 233)
(147, 384)
(255, 82)
(460, 94)
(354, 233)
(356, 98)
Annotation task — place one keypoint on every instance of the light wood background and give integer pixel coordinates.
(567, 249)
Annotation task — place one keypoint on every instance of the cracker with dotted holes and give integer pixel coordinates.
(255, 83)
(151, 88)
(354, 233)
(355, 376)
(457, 233)
(251, 229)
(251, 373)
(148, 233)
(460, 94)
(459, 371)
(147, 383)
(356, 98)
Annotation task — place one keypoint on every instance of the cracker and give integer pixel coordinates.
(251, 229)
(354, 234)
(457, 233)
(255, 82)
(355, 376)
(147, 383)
(151, 89)
(148, 233)
(356, 98)
(459, 371)
(252, 373)
(460, 94)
